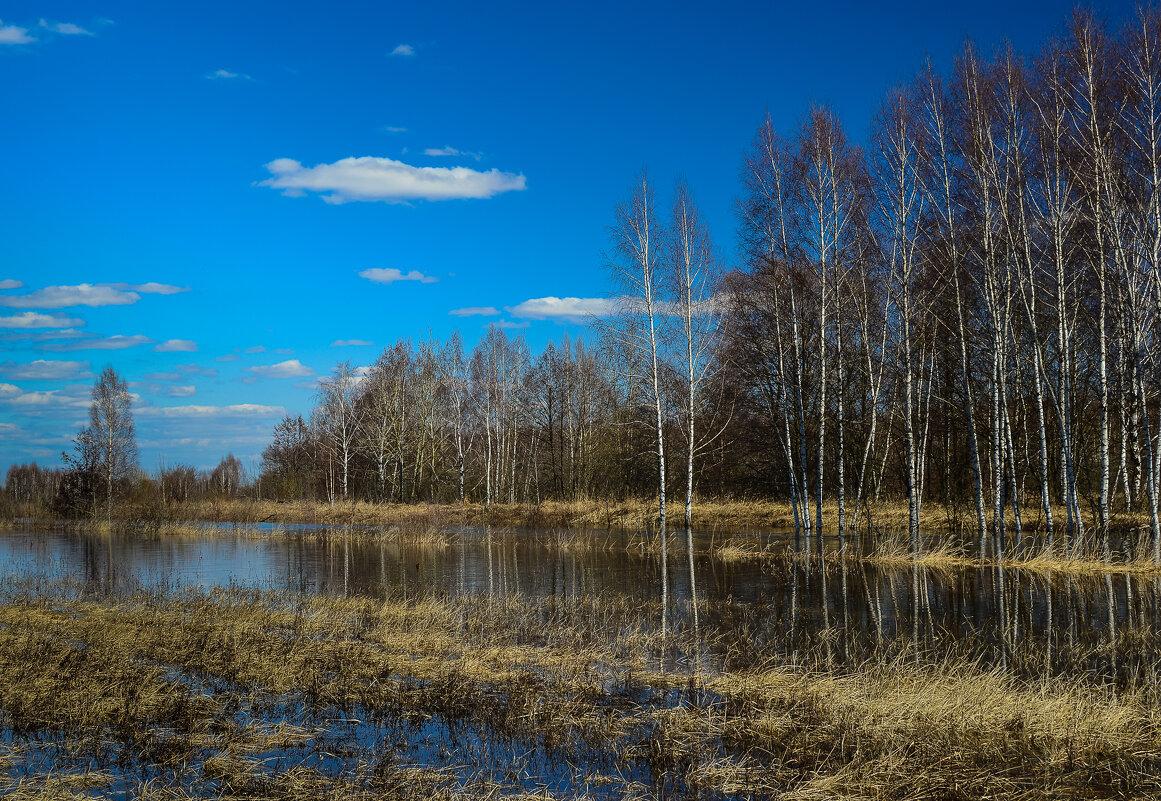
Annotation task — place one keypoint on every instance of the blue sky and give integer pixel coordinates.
(218, 198)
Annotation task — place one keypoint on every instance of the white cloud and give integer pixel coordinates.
(569, 309)
(115, 342)
(346, 343)
(255, 349)
(229, 357)
(181, 391)
(37, 320)
(394, 129)
(12, 34)
(148, 288)
(67, 28)
(41, 370)
(372, 178)
(235, 410)
(291, 368)
(471, 311)
(403, 50)
(510, 324)
(389, 275)
(11, 283)
(228, 75)
(57, 297)
(71, 399)
(175, 345)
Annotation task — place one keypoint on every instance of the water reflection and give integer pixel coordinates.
(792, 608)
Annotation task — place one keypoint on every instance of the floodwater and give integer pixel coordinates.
(788, 608)
(784, 607)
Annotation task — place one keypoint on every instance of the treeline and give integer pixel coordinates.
(80, 492)
(429, 422)
(970, 302)
(965, 310)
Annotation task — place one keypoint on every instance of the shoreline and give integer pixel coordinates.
(732, 516)
(734, 530)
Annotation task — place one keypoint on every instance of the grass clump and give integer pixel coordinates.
(256, 694)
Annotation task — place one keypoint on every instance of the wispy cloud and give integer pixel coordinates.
(403, 50)
(182, 371)
(228, 75)
(148, 288)
(11, 283)
(370, 178)
(181, 391)
(451, 151)
(42, 370)
(59, 297)
(347, 343)
(14, 34)
(176, 345)
(197, 369)
(291, 368)
(510, 324)
(235, 410)
(255, 349)
(388, 275)
(472, 311)
(27, 335)
(115, 342)
(394, 129)
(37, 320)
(229, 357)
(569, 309)
(66, 28)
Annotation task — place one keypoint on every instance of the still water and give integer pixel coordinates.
(786, 608)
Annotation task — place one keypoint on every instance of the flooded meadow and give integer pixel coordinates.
(250, 661)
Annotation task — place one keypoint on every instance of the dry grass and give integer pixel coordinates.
(163, 677)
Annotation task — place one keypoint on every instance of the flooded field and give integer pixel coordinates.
(307, 662)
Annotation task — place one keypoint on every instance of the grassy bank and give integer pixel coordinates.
(734, 529)
(238, 694)
(633, 514)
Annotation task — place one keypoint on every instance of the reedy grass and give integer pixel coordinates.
(738, 515)
(158, 675)
(589, 525)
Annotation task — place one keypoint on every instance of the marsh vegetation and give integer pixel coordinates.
(319, 663)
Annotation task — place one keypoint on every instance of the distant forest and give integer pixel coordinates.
(962, 310)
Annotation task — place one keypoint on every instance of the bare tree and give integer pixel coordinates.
(900, 210)
(638, 326)
(109, 443)
(338, 419)
(692, 272)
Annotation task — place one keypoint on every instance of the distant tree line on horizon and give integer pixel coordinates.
(963, 310)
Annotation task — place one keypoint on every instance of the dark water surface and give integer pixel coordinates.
(1101, 627)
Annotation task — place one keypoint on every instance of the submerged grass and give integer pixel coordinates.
(258, 694)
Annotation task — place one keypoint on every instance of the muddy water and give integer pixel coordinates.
(1101, 628)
